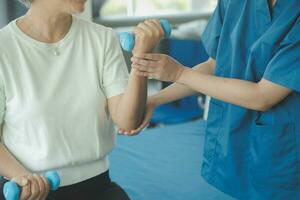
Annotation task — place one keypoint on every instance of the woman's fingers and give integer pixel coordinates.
(157, 29)
(143, 30)
(24, 183)
(26, 192)
(35, 188)
(21, 181)
(47, 188)
(42, 187)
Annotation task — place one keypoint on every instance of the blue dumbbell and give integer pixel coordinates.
(11, 190)
(127, 40)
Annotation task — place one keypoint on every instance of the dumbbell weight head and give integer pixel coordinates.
(127, 40)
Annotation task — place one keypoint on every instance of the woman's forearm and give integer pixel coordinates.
(9, 166)
(132, 103)
(177, 90)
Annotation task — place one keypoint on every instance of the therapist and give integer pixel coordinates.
(252, 144)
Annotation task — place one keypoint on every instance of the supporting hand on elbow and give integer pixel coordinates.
(157, 66)
(150, 106)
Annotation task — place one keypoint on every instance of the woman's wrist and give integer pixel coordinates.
(141, 49)
(20, 173)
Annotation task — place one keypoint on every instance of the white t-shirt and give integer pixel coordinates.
(53, 99)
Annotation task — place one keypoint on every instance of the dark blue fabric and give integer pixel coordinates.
(163, 164)
(250, 154)
(180, 111)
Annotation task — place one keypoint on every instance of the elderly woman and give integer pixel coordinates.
(63, 82)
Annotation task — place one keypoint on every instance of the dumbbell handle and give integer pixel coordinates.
(127, 40)
(12, 191)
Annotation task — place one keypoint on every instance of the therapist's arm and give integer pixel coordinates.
(256, 96)
(177, 90)
(259, 96)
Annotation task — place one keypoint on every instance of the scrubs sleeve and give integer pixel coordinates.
(284, 68)
(211, 35)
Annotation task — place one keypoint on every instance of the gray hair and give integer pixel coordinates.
(27, 3)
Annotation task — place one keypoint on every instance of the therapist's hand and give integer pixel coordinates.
(157, 66)
(147, 35)
(151, 105)
(34, 187)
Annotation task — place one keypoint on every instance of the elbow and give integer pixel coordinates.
(263, 105)
(129, 125)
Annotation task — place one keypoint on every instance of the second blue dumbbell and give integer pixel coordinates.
(12, 191)
(127, 40)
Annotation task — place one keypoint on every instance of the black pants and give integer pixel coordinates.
(97, 188)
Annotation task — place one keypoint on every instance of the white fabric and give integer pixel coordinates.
(53, 99)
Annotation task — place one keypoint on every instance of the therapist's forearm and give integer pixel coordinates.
(177, 90)
(235, 91)
(132, 103)
(9, 166)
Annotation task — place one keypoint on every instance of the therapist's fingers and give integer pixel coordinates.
(144, 125)
(144, 74)
(144, 62)
(141, 68)
(149, 56)
(150, 107)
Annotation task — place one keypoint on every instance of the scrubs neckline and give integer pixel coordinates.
(265, 15)
(271, 9)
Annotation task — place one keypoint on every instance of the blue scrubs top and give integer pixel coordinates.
(250, 154)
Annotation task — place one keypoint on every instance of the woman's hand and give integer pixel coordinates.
(147, 117)
(34, 187)
(147, 35)
(157, 66)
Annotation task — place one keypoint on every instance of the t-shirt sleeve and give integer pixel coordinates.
(212, 32)
(115, 72)
(284, 68)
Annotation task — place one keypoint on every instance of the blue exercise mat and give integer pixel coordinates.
(163, 164)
